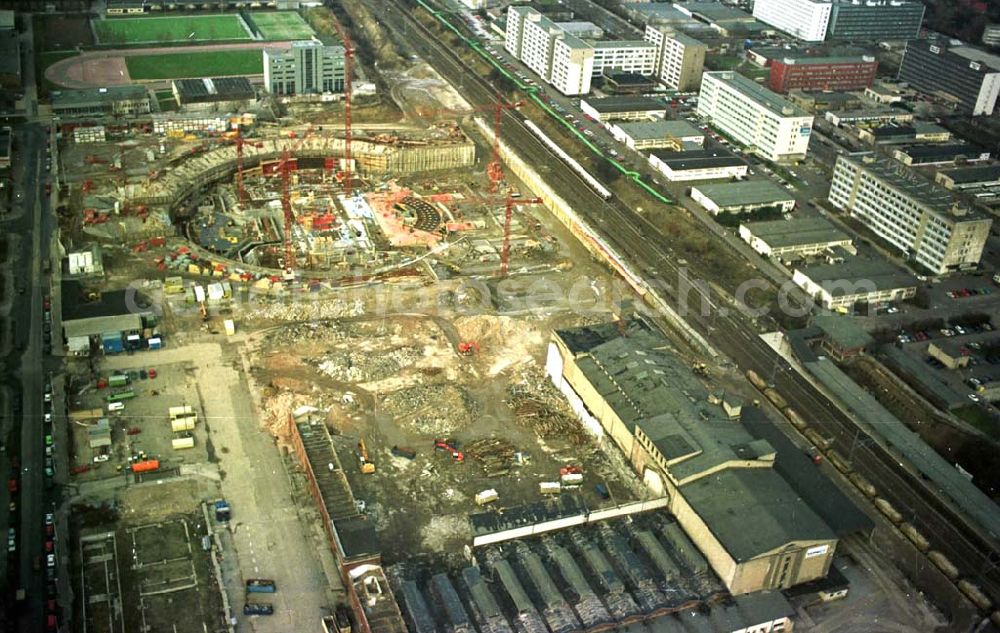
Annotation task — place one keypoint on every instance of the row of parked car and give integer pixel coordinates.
(962, 293)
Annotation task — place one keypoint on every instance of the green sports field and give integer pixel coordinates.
(173, 29)
(182, 65)
(283, 25)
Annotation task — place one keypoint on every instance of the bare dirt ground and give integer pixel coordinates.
(400, 381)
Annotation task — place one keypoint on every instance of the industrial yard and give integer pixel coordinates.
(347, 317)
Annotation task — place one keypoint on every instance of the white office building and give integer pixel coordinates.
(630, 56)
(558, 57)
(805, 19)
(680, 59)
(308, 67)
(916, 216)
(766, 123)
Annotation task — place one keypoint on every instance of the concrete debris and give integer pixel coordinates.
(432, 410)
(360, 365)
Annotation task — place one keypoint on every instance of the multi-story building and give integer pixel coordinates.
(842, 285)
(765, 122)
(967, 75)
(874, 20)
(805, 72)
(559, 57)
(638, 57)
(308, 67)
(805, 19)
(680, 59)
(916, 216)
(859, 20)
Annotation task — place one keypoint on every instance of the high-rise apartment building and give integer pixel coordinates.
(680, 59)
(860, 20)
(560, 58)
(631, 56)
(308, 67)
(765, 122)
(916, 216)
(969, 76)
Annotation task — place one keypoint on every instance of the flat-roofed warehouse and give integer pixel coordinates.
(855, 281)
(213, 93)
(623, 108)
(755, 530)
(795, 238)
(741, 196)
(674, 134)
(702, 164)
(969, 177)
(105, 320)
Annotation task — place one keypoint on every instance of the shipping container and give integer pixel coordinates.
(121, 395)
(486, 496)
(155, 343)
(549, 487)
(147, 466)
(404, 451)
(230, 327)
(180, 411)
(261, 585)
(113, 344)
(180, 443)
(179, 425)
(118, 380)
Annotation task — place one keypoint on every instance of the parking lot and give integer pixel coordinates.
(140, 427)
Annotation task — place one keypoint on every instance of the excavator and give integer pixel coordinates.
(449, 446)
(468, 348)
(367, 467)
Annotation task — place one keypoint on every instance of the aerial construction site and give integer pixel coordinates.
(346, 361)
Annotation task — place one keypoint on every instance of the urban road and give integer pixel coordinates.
(633, 236)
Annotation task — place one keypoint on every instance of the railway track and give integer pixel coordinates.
(730, 331)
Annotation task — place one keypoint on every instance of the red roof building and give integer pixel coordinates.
(822, 73)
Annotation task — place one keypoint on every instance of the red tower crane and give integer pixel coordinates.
(285, 168)
(348, 73)
(240, 142)
(507, 216)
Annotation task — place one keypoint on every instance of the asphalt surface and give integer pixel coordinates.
(728, 330)
(26, 320)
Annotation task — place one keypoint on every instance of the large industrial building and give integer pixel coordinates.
(966, 75)
(680, 58)
(308, 67)
(701, 164)
(623, 108)
(220, 94)
(560, 58)
(916, 216)
(119, 101)
(719, 480)
(797, 238)
(808, 72)
(765, 122)
(841, 286)
(858, 20)
(742, 196)
(674, 134)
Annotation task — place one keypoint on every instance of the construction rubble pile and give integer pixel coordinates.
(361, 365)
(537, 403)
(496, 456)
(437, 410)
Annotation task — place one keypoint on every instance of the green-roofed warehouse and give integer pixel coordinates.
(755, 530)
(742, 196)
